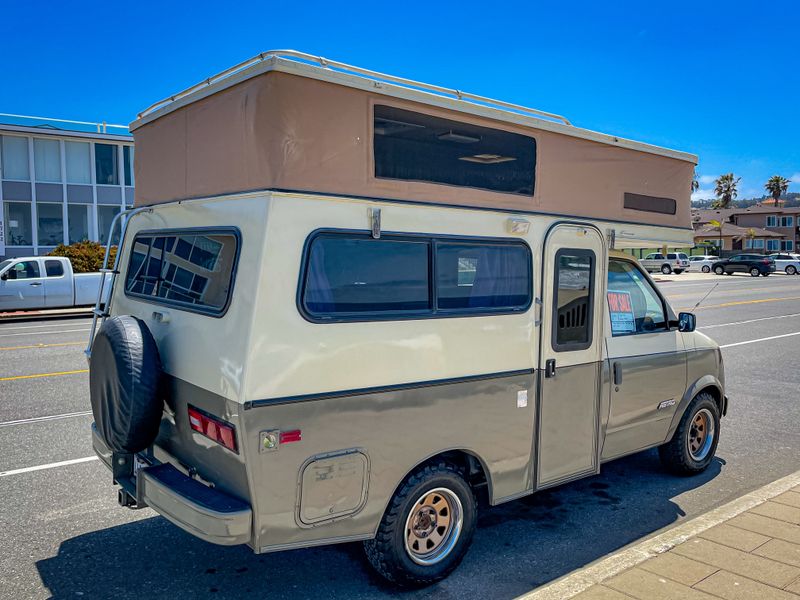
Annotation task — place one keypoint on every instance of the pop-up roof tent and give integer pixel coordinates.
(281, 122)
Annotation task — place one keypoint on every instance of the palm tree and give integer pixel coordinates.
(718, 226)
(751, 235)
(777, 186)
(725, 190)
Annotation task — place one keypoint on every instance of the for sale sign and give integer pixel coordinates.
(621, 310)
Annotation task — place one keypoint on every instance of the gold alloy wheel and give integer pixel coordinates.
(433, 526)
(700, 436)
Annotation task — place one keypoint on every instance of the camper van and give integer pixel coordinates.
(352, 307)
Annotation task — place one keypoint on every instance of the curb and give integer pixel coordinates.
(574, 583)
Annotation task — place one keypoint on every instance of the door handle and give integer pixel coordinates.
(36, 283)
(550, 367)
(617, 373)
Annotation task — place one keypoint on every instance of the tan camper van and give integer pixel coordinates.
(353, 307)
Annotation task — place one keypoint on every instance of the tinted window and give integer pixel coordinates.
(199, 276)
(363, 275)
(672, 256)
(633, 304)
(574, 278)
(24, 270)
(666, 206)
(418, 147)
(473, 275)
(53, 268)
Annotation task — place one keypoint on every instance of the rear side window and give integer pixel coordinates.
(191, 269)
(414, 146)
(356, 277)
(54, 268)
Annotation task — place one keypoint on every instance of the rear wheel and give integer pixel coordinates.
(719, 270)
(427, 527)
(754, 272)
(706, 269)
(666, 269)
(791, 270)
(694, 444)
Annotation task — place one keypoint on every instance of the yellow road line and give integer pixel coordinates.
(43, 375)
(42, 346)
(740, 302)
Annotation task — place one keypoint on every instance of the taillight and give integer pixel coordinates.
(214, 429)
(765, 261)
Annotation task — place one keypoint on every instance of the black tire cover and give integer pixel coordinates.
(124, 384)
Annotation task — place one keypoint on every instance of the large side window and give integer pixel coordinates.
(414, 146)
(28, 269)
(355, 277)
(190, 269)
(633, 304)
(573, 299)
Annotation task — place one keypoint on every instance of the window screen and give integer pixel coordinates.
(482, 276)
(194, 269)
(634, 306)
(418, 147)
(573, 302)
(348, 276)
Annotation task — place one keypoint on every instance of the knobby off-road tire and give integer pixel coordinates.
(694, 444)
(427, 488)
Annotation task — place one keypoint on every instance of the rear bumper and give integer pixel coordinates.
(205, 512)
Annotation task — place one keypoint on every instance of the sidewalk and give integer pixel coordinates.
(749, 548)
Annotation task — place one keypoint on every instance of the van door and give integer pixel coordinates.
(570, 357)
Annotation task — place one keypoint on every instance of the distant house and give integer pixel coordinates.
(759, 228)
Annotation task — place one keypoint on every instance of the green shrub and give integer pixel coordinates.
(86, 257)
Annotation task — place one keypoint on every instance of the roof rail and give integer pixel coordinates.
(101, 127)
(332, 64)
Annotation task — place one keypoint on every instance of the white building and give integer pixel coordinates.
(60, 182)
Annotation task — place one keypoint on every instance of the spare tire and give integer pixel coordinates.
(124, 384)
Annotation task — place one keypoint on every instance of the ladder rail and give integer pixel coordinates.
(97, 312)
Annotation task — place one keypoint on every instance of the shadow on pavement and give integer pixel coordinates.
(518, 546)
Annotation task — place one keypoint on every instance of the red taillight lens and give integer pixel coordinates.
(214, 429)
(765, 261)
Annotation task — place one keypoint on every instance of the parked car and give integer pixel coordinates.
(703, 262)
(35, 282)
(755, 264)
(788, 263)
(673, 262)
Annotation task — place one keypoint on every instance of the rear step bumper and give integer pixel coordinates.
(206, 513)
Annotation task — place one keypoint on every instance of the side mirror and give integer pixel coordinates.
(687, 322)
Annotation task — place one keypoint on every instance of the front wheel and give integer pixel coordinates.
(427, 527)
(719, 270)
(666, 269)
(694, 444)
(754, 272)
(706, 269)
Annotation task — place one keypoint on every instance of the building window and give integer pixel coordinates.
(78, 216)
(715, 242)
(190, 269)
(573, 300)
(754, 244)
(51, 224)
(773, 245)
(14, 158)
(127, 159)
(105, 163)
(105, 216)
(772, 221)
(787, 221)
(78, 159)
(17, 219)
(412, 146)
(47, 160)
(787, 245)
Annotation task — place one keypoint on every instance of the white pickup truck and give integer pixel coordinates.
(36, 282)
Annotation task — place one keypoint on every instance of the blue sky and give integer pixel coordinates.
(721, 80)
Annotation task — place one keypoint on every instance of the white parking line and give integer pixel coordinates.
(83, 413)
(749, 321)
(63, 463)
(766, 339)
(46, 332)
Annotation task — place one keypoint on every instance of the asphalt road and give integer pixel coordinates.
(63, 534)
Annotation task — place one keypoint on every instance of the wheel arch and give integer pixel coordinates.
(705, 384)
